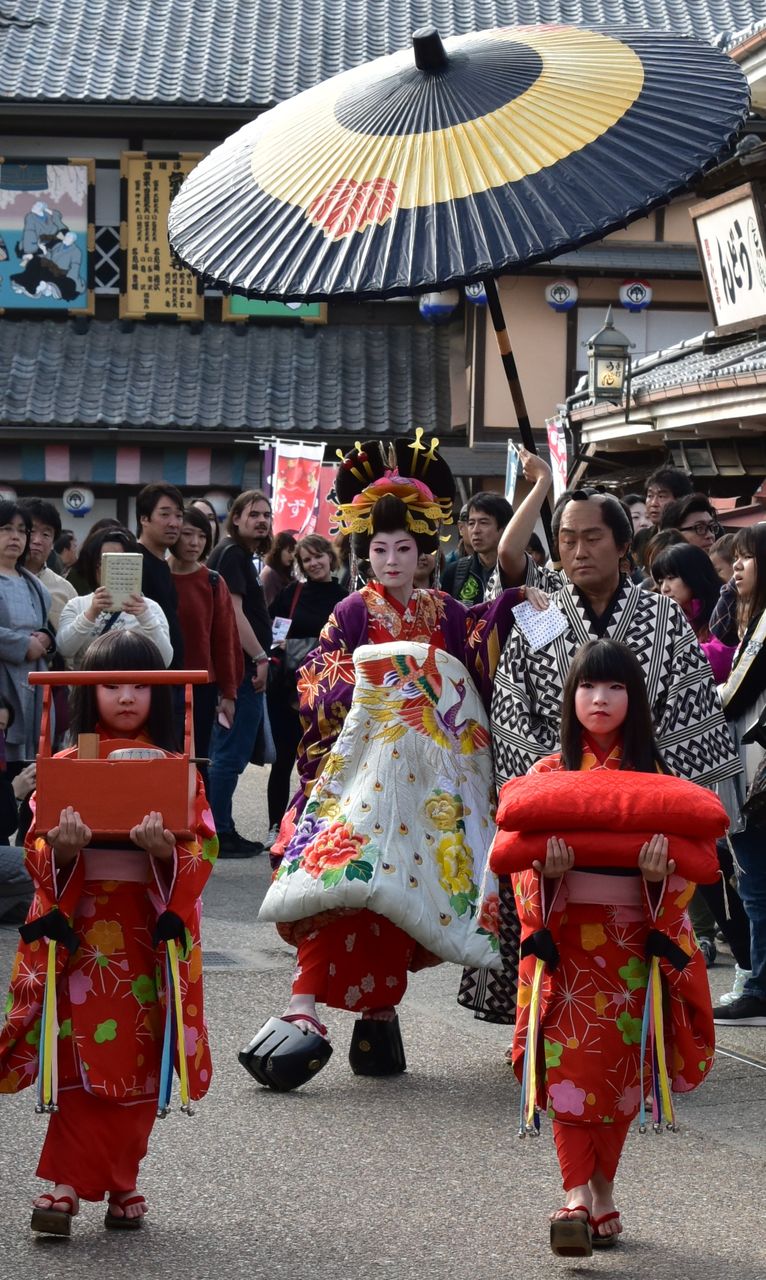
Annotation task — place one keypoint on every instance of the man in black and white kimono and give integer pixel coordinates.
(597, 599)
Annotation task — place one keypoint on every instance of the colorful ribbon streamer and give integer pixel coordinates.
(166, 1064)
(529, 1121)
(183, 1066)
(47, 1064)
(174, 1039)
(653, 1036)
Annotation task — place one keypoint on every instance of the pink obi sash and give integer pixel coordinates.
(126, 865)
(611, 891)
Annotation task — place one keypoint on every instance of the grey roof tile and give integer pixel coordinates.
(220, 377)
(632, 257)
(253, 53)
(679, 366)
(695, 360)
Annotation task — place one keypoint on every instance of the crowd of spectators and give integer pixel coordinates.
(247, 606)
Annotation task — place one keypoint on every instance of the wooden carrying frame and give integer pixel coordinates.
(112, 796)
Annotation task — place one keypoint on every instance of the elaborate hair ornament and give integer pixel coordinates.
(425, 511)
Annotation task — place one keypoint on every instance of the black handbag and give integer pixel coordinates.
(281, 670)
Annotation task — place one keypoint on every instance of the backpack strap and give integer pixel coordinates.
(462, 569)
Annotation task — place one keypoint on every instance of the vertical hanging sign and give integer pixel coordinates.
(326, 508)
(152, 282)
(557, 446)
(297, 469)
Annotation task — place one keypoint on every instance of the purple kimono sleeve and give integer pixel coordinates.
(477, 636)
(325, 691)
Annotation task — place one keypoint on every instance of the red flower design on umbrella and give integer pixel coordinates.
(349, 206)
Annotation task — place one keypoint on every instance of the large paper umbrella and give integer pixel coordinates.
(472, 158)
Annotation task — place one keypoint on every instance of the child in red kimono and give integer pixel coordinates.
(112, 911)
(597, 927)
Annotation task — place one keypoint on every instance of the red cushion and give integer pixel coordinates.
(695, 858)
(610, 801)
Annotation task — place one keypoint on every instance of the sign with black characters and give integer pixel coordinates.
(730, 242)
(152, 281)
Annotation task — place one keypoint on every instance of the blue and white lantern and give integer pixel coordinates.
(635, 295)
(476, 293)
(562, 295)
(438, 307)
(77, 500)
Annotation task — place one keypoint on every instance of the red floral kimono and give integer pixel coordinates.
(110, 1002)
(592, 1003)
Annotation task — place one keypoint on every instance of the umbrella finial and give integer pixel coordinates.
(430, 54)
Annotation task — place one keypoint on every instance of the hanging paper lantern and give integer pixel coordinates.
(635, 295)
(78, 501)
(477, 294)
(438, 307)
(562, 295)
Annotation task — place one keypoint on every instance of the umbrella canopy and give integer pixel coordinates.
(457, 161)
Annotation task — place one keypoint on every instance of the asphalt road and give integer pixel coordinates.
(417, 1178)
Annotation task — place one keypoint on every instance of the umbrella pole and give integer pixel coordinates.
(514, 384)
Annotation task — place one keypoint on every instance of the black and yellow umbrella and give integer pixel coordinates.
(470, 159)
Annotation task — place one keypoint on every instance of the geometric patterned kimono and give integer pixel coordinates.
(689, 725)
(592, 1004)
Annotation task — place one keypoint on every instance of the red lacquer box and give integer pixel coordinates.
(112, 796)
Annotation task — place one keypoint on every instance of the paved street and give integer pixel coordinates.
(420, 1177)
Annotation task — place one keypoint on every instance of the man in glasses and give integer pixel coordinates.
(663, 486)
(695, 518)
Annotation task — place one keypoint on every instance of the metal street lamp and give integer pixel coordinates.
(609, 364)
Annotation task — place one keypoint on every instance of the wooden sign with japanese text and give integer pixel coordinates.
(730, 244)
(152, 282)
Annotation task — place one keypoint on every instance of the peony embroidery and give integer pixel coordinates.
(444, 810)
(489, 914)
(333, 848)
(455, 866)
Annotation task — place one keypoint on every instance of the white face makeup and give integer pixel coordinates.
(394, 560)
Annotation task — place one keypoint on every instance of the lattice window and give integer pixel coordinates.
(107, 269)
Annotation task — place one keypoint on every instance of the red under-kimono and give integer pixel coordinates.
(110, 1002)
(359, 960)
(592, 1004)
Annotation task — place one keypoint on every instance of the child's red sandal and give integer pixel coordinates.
(119, 1222)
(605, 1242)
(54, 1222)
(571, 1237)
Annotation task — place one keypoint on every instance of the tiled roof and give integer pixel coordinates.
(223, 377)
(257, 52)
(736, 38)
(689, 362)
(633, 257)
(695, 360)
